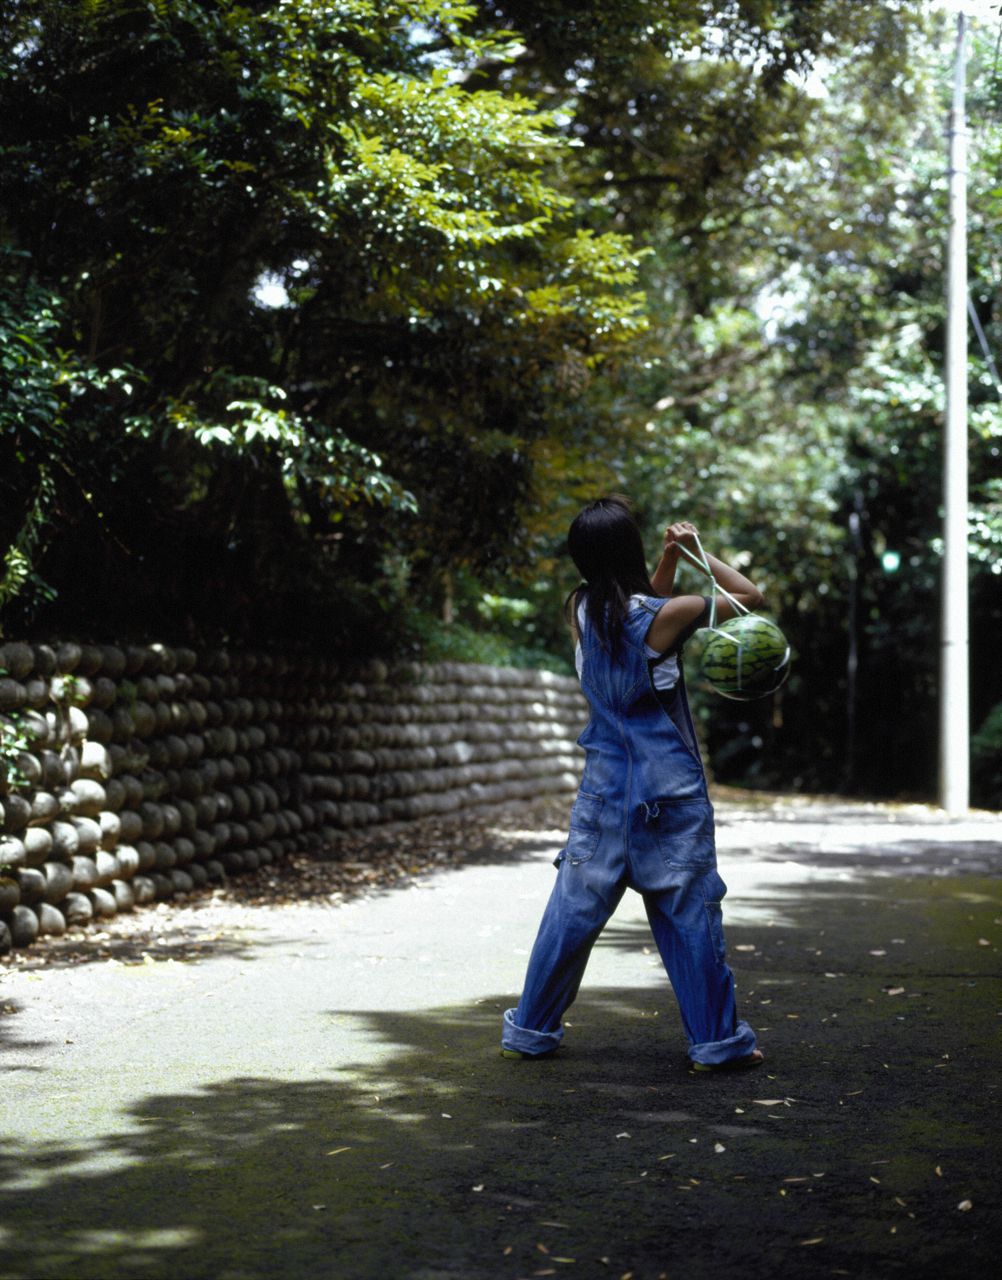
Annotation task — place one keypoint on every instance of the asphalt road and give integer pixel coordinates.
(315, 1090)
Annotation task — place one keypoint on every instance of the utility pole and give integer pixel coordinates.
(954, 711)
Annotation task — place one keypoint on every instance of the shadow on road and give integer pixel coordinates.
(866, 1147)
(848, 1154)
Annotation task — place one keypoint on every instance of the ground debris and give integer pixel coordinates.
(193, 925)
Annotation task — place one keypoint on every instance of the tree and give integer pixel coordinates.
(816, 399)
(162, 162)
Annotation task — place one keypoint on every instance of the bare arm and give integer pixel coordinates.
(678, 613)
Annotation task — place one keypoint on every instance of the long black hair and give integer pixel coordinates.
(605, 543)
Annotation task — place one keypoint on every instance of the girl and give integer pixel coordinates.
(642, 817)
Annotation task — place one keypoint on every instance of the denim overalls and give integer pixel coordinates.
(641, 819)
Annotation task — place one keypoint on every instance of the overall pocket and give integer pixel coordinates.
(685, 832)
(582, 839)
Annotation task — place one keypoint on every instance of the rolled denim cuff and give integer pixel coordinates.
(526, 1041)
(713, 1052)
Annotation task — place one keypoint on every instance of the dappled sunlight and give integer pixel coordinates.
(433, 1156)
(390, 1138)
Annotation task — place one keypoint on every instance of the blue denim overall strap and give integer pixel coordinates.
(642, 819)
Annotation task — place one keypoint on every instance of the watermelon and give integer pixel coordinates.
(745, 658)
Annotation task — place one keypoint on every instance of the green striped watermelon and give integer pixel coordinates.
(745, 657)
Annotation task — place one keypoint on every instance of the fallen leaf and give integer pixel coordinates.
(939, 1172)
(965, 1206)
(983, 942)
(718, 1147)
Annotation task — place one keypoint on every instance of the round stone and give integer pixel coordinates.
(198, 873)
(85, 874)
(77, 909)
(23, 926)
(13, 694)
(111, 828)
(181, 881)
(51, 921)
(58, 881)
(107, 867)
(10, 893)
(88, 834)
(90, 797)
(130, 826)
(95, 762)
(128, 861)
(144, 890)
(17, 813)
(65, 841)
(104, 903)
(162, 885)
(147, 855)
(12, 852)
(37, 845)
(32, 882)
(125, 898)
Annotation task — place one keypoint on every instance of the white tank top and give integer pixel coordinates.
(665, 673)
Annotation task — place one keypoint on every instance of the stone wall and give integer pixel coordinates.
(135, 773)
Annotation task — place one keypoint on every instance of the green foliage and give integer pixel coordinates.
(460, 642)
(986, 760)
(163, 163)
(14, 741)
(320, 317)
(810, 393)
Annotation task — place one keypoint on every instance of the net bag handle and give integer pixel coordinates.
(702, 563)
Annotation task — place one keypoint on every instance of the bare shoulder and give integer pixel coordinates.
(672, 619)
